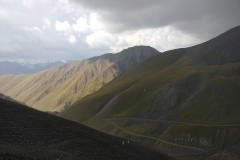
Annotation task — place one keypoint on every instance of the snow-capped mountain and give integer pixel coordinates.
(7, 67)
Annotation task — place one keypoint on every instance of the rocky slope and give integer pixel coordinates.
(57, 88)
(27, 134)
(184, 102)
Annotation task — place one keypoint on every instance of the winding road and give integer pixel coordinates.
(177, 122)
(110, 120)
(160, 140)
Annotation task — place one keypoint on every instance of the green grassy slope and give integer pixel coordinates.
(184, 102)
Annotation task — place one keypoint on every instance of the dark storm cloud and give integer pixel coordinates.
(205, 18)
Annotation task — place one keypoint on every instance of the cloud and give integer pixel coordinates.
(100, 38)
(46, 23)
(202, 18)
(30, 4)
(89, 26)
(72, 39)
(66, 6)
(32, 29)
(95, 22)
(3, 13)
(30, 33)
(81, 25)
(62, 26)
(91, 23)
(78, 29)
(6, 46)
(165, 38)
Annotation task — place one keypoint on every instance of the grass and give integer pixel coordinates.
(200, 84)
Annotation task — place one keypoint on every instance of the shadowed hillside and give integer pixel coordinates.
(184, 102)
(27, 134)
(56, 89)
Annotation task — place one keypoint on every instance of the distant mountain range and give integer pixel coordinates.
(57, 88)
(24, 68)
(184, 102)
(27, 134)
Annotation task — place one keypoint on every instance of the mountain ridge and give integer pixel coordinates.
(61, 86)
(167, 101)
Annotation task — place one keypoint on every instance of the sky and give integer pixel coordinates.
(35, 31)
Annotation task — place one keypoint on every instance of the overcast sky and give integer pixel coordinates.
(40, 30)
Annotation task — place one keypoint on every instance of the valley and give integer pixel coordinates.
(119, 80)
(183, 102)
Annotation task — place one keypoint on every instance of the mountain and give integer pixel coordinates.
(27, 134)
(184, 102)
(22, 68)
(56, 89)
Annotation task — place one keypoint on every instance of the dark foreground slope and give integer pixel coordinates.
(184, 102)
(29, 134)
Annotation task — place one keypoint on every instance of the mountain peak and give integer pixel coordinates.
(135, 50)
(138, 48)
